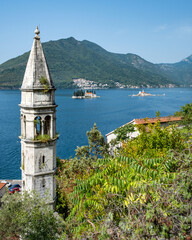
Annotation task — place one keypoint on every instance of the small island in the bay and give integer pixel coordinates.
(144, 94)
(84, 94)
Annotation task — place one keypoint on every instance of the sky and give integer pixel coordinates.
(160, 31)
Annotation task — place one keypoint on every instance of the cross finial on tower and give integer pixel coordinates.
(37, 33)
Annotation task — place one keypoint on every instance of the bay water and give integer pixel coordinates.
(75, 117)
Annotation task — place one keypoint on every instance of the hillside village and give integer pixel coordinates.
(87, 84)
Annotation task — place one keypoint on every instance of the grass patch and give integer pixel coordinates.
(45, 84)
(43, 138)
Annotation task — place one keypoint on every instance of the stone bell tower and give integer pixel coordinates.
(38, 126)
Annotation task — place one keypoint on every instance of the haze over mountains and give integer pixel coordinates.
(69, 58)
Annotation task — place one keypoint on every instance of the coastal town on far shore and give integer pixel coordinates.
(88, 84)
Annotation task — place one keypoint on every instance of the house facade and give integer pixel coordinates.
(164, 121)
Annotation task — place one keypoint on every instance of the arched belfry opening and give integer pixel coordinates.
(41, 162)
(47, 125)
(37, 126)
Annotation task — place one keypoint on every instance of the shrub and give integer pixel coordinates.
(43, 138)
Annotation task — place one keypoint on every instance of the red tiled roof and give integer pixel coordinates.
(2, 185)
(146, 121)
(154, 120)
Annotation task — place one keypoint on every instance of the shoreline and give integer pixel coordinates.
(155, 87)
(83, 97)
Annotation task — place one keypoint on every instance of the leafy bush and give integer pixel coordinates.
(29, 217)
(122, 132)
(43, 138)
(144, 192)
(186, 113)
(129, 199)
(154, 140)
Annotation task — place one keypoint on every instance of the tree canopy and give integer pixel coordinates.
(143, 192)
(29, 217)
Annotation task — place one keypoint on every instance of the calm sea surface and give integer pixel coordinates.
(76, 116)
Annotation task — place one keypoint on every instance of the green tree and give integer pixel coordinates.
(29, 217)
(97, 145)
(127, 198)
(73, 169)
(186, 113)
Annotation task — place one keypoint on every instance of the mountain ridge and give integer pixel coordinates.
(70, 58)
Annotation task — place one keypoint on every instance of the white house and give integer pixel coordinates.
(164, 121)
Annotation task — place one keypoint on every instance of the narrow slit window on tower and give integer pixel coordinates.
(43, 160)
(39, 163)
(24, 123)
(43, 183)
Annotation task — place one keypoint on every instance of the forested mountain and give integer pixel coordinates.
(181, 72)
(69, 58)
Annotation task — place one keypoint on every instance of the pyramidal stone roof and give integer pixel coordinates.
(37, 72)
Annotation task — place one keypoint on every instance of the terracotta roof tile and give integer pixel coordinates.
(146, 121)
(154, 120)
(2, 185)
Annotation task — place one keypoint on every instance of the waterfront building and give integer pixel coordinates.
(164, 121)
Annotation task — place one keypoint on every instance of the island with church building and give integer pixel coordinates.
(144, 94)
(80, 94)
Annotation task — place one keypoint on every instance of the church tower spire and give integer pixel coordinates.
(38, 125)
(36, 67)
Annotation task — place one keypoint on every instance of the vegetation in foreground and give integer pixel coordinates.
(27, 216)
(143, 192)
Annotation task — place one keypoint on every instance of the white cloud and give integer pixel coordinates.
(185, 30)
